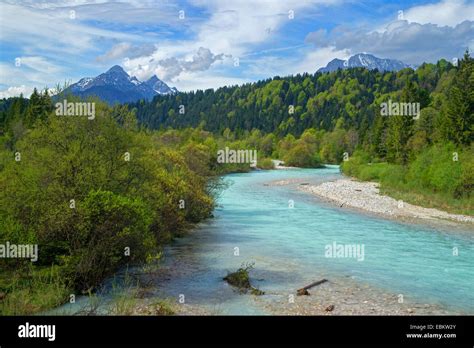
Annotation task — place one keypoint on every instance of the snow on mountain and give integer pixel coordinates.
(116, 86)
(159, 86)
(365, 60)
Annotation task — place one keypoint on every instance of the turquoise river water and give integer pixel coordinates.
(254, 223)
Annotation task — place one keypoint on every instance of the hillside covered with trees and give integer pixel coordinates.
(99, 194)
(330, 117)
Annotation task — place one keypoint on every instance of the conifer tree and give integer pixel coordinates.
(459, 122)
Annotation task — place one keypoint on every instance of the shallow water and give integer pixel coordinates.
(288, 245)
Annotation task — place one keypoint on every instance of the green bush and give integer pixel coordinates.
(85, 190)
(301, 155)
(112, 230)
(437, 169)
(265, 163)
(374, 171)
(353, 165)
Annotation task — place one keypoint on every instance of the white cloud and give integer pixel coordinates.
(412, 43)
(319, 58)
(126, 50)
(40, 64)
(218, 30)
(170, 68)
(446, 12)
(117, 51)
(108, 11)
(15, 91)
(201, 61)
(33, 72)
(204, 80)
(234, 29)
(46, 31)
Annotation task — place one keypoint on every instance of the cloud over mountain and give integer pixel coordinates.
(411, 42)
(126, 49)
(201, 61)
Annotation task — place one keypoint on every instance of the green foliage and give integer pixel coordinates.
(431, 160)
(96, 195)
(265, 163)
(342, 107)
(241, 280)
(443, 168)
(301, 155)
(440, 176)
(109, 226)
(353, 165)
(459, 109)
(27, 290)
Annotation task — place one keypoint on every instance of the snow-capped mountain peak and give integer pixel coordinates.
(365, 60)
(159, 86)
(134, 80)
(116, 86)
(84, 82)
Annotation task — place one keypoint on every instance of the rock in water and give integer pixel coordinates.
(330, 308)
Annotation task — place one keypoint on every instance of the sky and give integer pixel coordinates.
(200, 44)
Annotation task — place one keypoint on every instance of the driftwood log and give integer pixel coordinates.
(304, 291)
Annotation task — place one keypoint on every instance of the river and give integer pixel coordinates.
(285, 232)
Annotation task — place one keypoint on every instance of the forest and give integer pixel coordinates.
(99, 194)
(338, 117)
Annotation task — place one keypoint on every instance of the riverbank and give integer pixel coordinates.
(366, 196)
(279, 164)
(337, 296)
(347, 296)
(341, 294)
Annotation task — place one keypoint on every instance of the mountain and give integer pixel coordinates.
(116, 86)
(159, 86)
(364, 60)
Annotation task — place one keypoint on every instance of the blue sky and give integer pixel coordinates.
(200, 44)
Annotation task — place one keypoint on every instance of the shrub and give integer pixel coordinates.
(301, 155)
(75, 195)
(108, 226)
(434, 169)
(265, 163)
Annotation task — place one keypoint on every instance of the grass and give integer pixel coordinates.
(127, 298)
(127, 304)
(31, 291)
(161, 307)
(392, 183)
(123, 304)
(431, 200)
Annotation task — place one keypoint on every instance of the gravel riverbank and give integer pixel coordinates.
(347, 296)
(366, 196)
